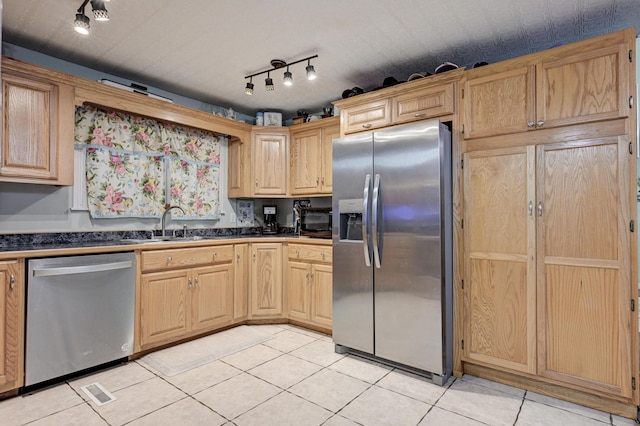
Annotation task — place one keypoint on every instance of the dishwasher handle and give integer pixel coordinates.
(84, 269)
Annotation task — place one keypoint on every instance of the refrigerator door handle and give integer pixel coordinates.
(375, 231)
(365, 220)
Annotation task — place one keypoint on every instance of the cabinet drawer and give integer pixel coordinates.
(426, 103)
(310, 253)
(154, 260)
(366, 117)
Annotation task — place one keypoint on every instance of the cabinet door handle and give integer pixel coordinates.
(12, 282)
(254, 257)
(190, 283)
(366, 126)
(317, 181)
(322, 180)
(420, 114)
(530, 208)
(307, 275)
(312, 275)
(196, 282)
(238, 257)
(298, 253)
(322, 254)
(540, 123)
(530, 124)
(169, 259)
(256, 183)
(540, 208)
(215, 255)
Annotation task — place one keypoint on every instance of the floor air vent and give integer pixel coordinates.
(98, 393)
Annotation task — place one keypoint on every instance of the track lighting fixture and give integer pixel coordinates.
(100, 13)
(249, 89)
(311, 72)
(268, 83)
(287, 78)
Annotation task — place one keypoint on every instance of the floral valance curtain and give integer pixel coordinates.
(136, 165)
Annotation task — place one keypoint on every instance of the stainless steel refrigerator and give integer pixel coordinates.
(392, 246)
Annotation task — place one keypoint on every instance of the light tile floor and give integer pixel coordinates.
(295, 378)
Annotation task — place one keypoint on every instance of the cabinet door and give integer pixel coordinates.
(586, 87)
(266, 280)
(365, 117)
(322, 295)
(299, 290)
(500, 103)
(305, 162)
(241, 280)
(11, 325)
(326, 177)
(163, 306)
(584, 313)
(270, 164)
(212, 297)
(500, 276)
(422, 104)
(37, 131)
(239, 184)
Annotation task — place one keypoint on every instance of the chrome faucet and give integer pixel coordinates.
(164, 216)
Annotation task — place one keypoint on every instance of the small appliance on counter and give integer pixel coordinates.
(315, 222)
(269, 226)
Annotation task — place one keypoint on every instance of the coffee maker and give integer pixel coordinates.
(269, 226)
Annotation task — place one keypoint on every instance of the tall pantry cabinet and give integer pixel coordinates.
(549, 167)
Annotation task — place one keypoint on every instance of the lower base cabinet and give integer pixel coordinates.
(266, 281)
(177, 303)
(310, 284)
(12, 324)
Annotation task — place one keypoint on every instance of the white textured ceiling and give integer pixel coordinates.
(203, 48)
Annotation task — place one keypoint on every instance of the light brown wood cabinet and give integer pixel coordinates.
(184, 292)
(310, 284)
(38, 126)
(269, 159)
(570, 85)
(241, 282)
(12, 325)
(259, 168)
(547, 262)
(266, 281)
(311, 156)
(429, 97)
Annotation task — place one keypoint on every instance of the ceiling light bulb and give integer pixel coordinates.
(81, 24)
(311, 73)
(288, 78)
(268, 83)
(249, 89)
(99, 11)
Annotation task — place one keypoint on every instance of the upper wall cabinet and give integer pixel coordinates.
(37, 130)
(269, 160)
(311, 149)
(428, 97)
(578, 83)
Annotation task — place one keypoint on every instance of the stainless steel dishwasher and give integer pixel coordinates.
(80, 313)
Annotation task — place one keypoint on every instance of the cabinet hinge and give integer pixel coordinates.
(633, 305)
(462, 131)
(462, 344)
(462, 164)
(633, 383)
(630, 55)
(462, 224)
(631, 148)
(463, 89)
(631, 102)
(632, 226)
(462, 284)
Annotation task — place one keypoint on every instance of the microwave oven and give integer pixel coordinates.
(315, 222)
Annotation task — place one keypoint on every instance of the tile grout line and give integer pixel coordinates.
(524, 395)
